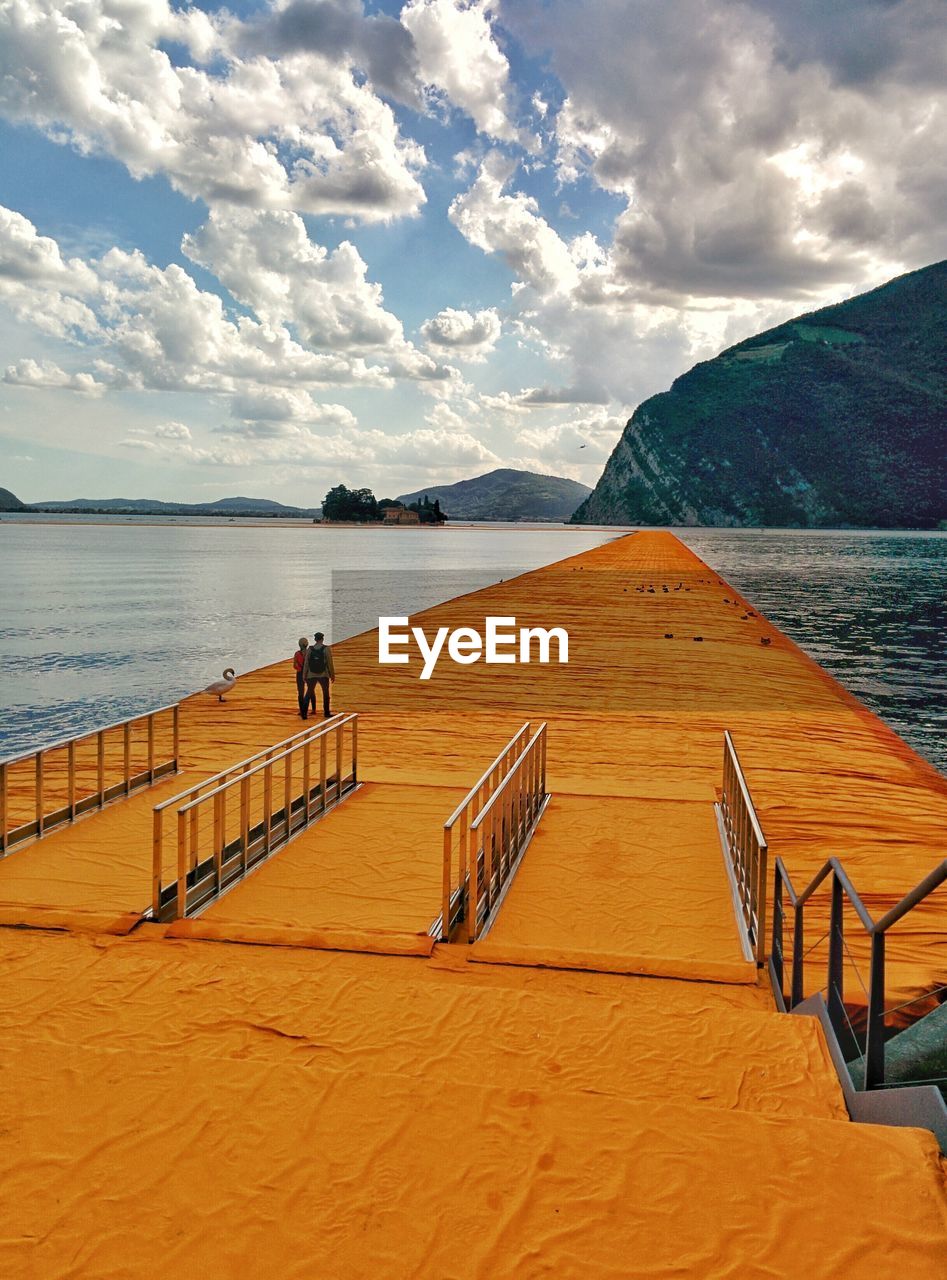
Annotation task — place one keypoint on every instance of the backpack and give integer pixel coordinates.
(316, 661)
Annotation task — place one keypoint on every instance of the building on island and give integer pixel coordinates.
(398, 514)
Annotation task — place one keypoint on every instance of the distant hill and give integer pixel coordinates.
(838, 417)
(10, 502)
(153, 506)
(506, 495)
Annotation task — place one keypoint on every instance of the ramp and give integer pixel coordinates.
(622, 885)
(367, 877)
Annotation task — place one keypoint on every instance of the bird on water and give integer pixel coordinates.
(220, 687)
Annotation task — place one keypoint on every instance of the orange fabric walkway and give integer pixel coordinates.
(625, 885)
(212, 1108)
(316, 1114)
(365, 877)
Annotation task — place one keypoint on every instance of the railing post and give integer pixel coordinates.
(875, 1032)
(194, 835)
(798, 957)
(354, 752)
(181, 897)
(220, 836)
(473, 886)
(176, 735)
(71, 780)
(39, 793)
(4, 805)
(100, 766)
(267, 806)
(836, 976)
(307, 780)
(446, 883)
(761, 898)
(288, 791)
(338, 762)
(244, 822)
(157, 857)
(323, 780)
(151, 747)
(776, 950)
(127, 755)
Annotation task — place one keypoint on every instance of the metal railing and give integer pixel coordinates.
(58, 783)
(747, 848)
(198, 789)
(840, 889)
(225, 831)
(458, 838)
(500, 832)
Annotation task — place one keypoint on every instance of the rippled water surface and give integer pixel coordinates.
(869, 607)
(99, 621)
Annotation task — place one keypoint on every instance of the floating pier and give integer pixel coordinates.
(476, 978)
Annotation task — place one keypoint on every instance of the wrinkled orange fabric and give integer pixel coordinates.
(183, 1098)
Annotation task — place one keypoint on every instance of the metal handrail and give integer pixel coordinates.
(841, 888)
(746, 847)
(242, 765)
(199, 881)
(500, 831)
(192, 792)
(452, 897)
(45, 820)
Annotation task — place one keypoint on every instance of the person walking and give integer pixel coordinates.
(320, 670)
(299, 664)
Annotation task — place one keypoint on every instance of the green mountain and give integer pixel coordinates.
(837, 418)
(10, 502)
(506, 495)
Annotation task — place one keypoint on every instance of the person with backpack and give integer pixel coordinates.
(299, 664)
(320, 670)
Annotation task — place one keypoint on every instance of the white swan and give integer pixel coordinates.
(220, 687)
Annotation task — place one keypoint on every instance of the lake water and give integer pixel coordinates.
(98, 622)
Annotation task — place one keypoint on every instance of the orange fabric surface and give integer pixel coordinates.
(634, 715)
(389, 942)
(634, 883)
(342, 1011)
(301, 1172)
(372, 864)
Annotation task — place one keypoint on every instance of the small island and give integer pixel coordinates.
(342, 505)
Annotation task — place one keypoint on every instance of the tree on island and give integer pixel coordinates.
(341, 503)
(428, 512)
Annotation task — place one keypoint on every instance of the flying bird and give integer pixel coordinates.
(220, 687)
(584, 446)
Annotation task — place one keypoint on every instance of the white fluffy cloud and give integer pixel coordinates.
(458, 54)
(154, 328)
(511, 224)
(764, 150)
(466, 335)
(268, 262)
(232, 126)
(47, 375)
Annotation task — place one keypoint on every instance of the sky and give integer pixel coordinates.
(266, 249)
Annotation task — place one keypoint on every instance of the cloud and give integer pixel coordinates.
(227, 125)
(458, 55)
(173, 431)
(512, 226)
(44, 374)
(341, 32)
(734, 134)
(469, 336)
(155, 329)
